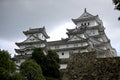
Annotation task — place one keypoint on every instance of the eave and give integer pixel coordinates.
(72, 48)
(53, 43)
(83, 19)
(17, 57)
(36, 30)
(26, 43)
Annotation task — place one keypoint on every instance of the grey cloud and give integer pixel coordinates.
(19, 15)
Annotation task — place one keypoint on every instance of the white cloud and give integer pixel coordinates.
(60, 31)
(8, 45)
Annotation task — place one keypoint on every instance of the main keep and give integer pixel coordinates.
(87, 36)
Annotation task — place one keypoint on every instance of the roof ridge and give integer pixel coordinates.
(85, 15)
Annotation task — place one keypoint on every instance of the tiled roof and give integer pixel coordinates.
(73, 48)
(75, 31)
(84, 16)
(24, 43)
(36, 30)
(61, 42)
(17, 57)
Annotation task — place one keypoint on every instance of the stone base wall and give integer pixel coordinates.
(86, 66)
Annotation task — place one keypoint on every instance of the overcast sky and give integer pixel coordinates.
(20, 15)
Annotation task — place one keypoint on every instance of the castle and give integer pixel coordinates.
(87, 36)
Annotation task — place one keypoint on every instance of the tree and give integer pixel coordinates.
(31, 70)
(49, 63)
(17, 76)
(6, 62)
(53, 64)
(40, 58)
(117, 5)
(4, 74)
(53, 55)
(7, 66)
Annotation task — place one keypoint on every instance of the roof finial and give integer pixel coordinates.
(85, 10)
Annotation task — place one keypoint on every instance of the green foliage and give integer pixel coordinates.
(53, 55)
(53, 65)
(31, 70)
(17, 76)
(4, 75)
(49, 78)
(49, 63)
(7, 66)
(40, 58)
(6, 62)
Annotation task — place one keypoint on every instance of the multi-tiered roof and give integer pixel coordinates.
(88, 36)
(35, 36)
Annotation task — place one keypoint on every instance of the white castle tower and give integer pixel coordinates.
(36, 38)
(93, 28)
(87, 36)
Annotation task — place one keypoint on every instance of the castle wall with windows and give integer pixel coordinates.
(87, 36)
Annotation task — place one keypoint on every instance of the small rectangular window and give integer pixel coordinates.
(88, 23)
(81, 24)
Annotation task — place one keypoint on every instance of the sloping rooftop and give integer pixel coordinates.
(36, 30)
(84, 16)
(36, 42)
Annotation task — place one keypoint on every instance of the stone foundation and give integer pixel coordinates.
(86, 66)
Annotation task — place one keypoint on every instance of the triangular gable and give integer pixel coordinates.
(85, 15)
(75, 30)
(80, 37)
(32, 38)
(74, 38)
